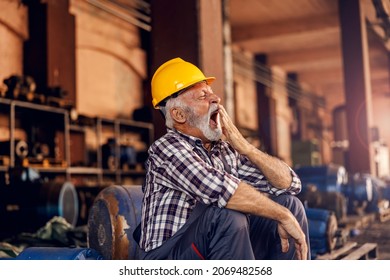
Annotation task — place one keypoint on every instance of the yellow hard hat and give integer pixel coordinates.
(173, 76)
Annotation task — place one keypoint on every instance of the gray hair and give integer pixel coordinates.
(172, 103)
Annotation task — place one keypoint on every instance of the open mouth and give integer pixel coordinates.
(214, 118)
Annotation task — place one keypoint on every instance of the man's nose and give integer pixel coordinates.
(215, 98)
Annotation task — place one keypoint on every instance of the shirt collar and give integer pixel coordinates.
(194, 141)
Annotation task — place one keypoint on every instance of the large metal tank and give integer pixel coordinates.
(113, 217)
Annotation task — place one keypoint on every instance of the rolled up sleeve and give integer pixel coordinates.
(249, 173)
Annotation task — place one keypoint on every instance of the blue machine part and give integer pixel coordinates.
(317, 214)
(360, 188)
(128, 156)
(114, 216)
(382, 187)
(322, 230)
(60, 200)
(327, 178)
(385, 192)
(58, 253)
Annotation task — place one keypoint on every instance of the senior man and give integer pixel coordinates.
(208, 198)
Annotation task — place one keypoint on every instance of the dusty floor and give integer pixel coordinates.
(376, 232)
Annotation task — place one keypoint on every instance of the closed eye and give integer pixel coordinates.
(203, 95)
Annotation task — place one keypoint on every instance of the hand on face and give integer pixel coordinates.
(231, 132)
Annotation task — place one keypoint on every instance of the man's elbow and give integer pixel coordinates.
(297, 186)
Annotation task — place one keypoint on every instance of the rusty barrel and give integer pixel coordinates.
(112, 219)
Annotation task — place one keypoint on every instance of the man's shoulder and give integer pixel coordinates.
(171, 141)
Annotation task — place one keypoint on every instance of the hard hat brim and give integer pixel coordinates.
(208, 80)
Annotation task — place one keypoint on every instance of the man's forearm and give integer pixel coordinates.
(248, 200)
(276, 171)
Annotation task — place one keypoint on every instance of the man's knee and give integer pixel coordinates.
(227, 219)
(292, 203)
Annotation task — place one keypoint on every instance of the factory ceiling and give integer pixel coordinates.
(303, 37)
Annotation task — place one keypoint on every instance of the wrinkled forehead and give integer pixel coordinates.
(196, 88)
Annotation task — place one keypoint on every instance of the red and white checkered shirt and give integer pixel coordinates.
(180, 172)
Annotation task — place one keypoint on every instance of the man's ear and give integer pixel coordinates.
(178, 115)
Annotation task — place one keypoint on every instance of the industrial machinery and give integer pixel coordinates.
(323, 230)
(322, 187)
(27, 201)
(329, 195)
(332, 188)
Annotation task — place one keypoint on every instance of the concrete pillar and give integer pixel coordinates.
(265, 109)
(357, 86)
(13, 33)
(192, 30)
(50, 52)
(282, 115)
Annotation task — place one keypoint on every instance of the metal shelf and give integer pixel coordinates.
(3, 168)
(20, 114)
(49, 169)
(85, 170)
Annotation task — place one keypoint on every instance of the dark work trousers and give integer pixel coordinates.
(220, 233)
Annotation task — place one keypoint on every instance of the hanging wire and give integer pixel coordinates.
(138, 8)
(136, 12)
(263, 75)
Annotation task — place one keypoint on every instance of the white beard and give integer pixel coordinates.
(203, 123)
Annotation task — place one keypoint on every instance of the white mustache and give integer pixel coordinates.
(213, 108)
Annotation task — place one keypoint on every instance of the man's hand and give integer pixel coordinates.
(232, 134)
(293, 230)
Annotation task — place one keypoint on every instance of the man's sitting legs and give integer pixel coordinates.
(217, 234)
(220, 233)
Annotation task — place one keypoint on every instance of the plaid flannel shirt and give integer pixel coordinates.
(181, 173)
